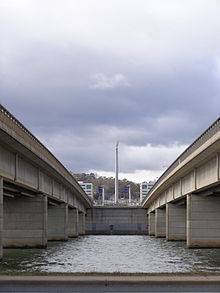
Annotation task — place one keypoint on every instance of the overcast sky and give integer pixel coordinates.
(83, 74)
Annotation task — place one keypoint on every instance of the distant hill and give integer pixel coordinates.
(109, 183)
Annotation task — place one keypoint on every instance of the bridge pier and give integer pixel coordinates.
(58, 222)
(160, 222)
(81, 223)
(175, 221)
(151, 224)
(1, 217)
(203, 221)
(25, 221)
(73, 222)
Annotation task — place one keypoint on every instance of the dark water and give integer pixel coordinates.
(112, 254)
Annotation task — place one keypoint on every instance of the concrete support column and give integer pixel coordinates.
(58, 222)
(160, 223)
(81, 224)
(72, 222)
(25, 221)
(151, 224)
(1, 217)
(175, 222)
(203, 221)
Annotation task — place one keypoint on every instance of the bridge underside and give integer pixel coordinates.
(195, 218)
(30, 219)
(184, 204)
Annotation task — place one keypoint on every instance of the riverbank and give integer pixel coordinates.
(110, 278)
(106, 283)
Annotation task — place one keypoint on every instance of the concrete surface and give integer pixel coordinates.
(25, 221)
(160, 222)
(175, 221)
(1, 217)
(116, 220)
(151, 224)
(203, 221)
(81, 223)
(54, 288)
(73, 222)
(58, 222)
(29, 173)
(195, 169)
(194, 175)
(107, 283)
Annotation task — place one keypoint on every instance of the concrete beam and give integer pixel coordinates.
(58, 222)
(1, 217)
(175, 221)
(25, 221)
(73, 219)
(81, 223)
(203, 221)
(160, 222)
(151, 224)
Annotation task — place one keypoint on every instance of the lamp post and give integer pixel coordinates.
(116, 173)
(103, 195)
(129, 194)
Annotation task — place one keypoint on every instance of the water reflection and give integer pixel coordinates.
(112, 254)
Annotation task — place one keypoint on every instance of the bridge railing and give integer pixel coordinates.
(206, 135)
(37, 147)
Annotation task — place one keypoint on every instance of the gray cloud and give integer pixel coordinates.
(101, 81)
(80, 86)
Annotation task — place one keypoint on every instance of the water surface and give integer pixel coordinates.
(112, 254)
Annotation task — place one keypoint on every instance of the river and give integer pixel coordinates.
(112, 253)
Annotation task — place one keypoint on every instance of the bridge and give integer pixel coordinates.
(39, 199)
(184, 204)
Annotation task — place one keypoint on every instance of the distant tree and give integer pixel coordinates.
(109, 184)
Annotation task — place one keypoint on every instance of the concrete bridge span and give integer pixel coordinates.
(184, 204)
(39, 199)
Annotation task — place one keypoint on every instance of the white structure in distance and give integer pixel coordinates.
(116, 173)
(145, 187)
(101, 190)
(87, 187)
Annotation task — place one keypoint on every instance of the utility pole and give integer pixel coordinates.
(116, 173)
(103, 195)
(129, 194)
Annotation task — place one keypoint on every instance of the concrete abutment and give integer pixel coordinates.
(160, 222)
(203, 221)
(116, 221)
(1, 218)
(175, 222)
(58, 222)
(73, 222)
(151, 224)
(25, 221)
(81, 223)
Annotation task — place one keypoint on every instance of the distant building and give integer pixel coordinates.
(87, 187)
(145, 187)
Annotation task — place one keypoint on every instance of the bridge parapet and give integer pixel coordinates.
(15, 129)
(184, 203)
(186, 173)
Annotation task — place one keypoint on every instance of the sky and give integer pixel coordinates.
(81, 75)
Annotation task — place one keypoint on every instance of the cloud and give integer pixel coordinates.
(74, 152)
(101, 81)
(136, 176)
(154, 83)
(216, 69)
(149, 157)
